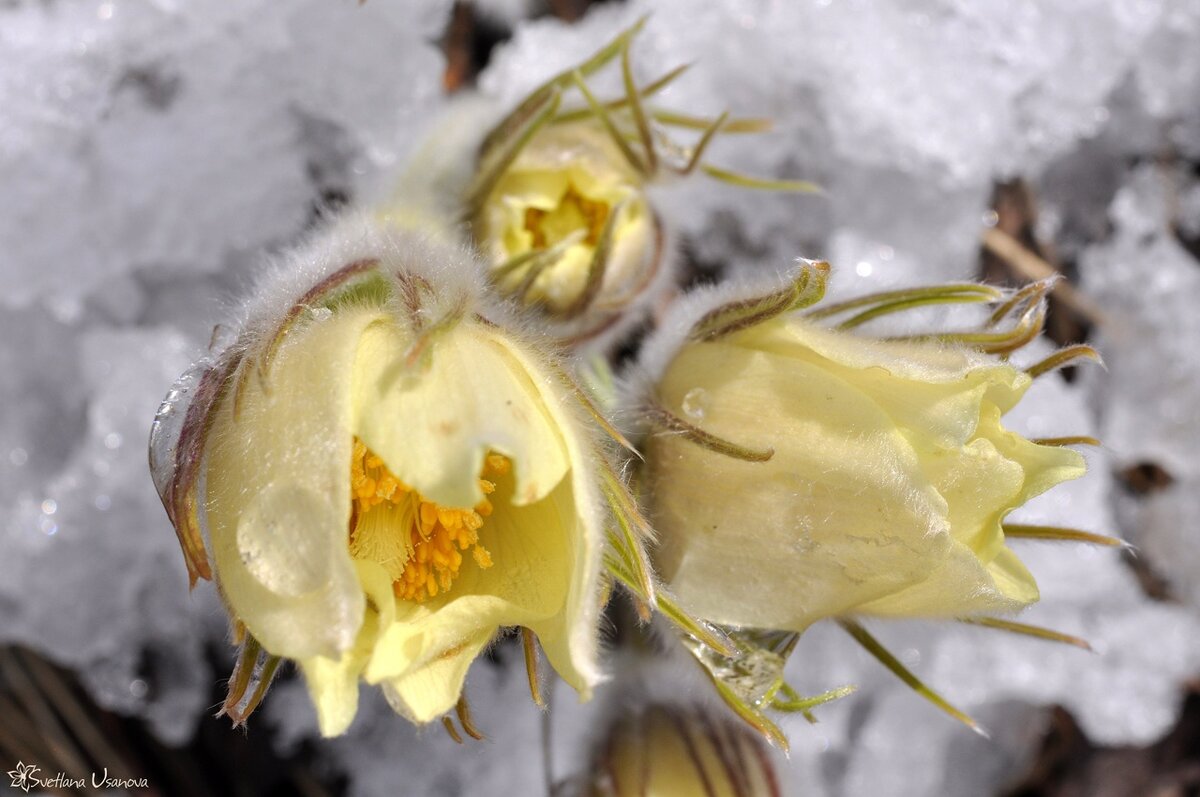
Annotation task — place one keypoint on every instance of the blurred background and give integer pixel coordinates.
(151, 152)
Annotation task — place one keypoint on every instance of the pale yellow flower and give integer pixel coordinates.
(802, 473)
(391, 475)
(570, 191)
(554, 192)
(663, 751)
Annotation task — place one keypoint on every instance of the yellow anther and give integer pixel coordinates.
(574, 212)
(417, 541)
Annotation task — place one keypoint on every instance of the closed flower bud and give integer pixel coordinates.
(383, 473)
(664, 751)
(797, 472)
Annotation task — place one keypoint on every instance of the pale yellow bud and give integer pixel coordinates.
(811, 473)
(570, 192)
(675, 752)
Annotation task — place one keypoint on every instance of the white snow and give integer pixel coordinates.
(151, 150)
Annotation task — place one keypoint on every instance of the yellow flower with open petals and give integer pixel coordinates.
(389, 475)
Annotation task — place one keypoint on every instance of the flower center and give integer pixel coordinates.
(418, 542)
(574, 212)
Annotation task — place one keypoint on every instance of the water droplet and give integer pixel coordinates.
(112, 441)
(168, 425)
(283, 538)
(863, 268)
(138, 688)
(102, 502)
(991, 218)
(695, 403)
(18, 456)
(49, 506)
(105, 11)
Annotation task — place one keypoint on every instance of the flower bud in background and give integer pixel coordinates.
(570, 206)
(381, 473)
(795, 472)
(555, 193)
(667, 751)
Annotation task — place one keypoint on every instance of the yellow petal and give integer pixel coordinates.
(569, 636)
(277, 514)
(433, 421)
(584, 151)
(841, 514)
(933, 393)
(333, 683)
(479, 394)
(567, 181)
(980, 486)
(542, 189)
(993, 475)
(427, 692)
(672, 752)
(561, 283)
(963, 586)
(1044, 466)
(527, 584)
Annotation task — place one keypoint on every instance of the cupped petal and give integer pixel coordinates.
(1044, 466)
(555, 606)
(963, 586)
(333, 683)
(277, 498)
(482, 393)
(585, 151)
(994, 474)
(570, 636)
(629, 265)
(505, 217)
(433, 419)
(840, 515)
(562, 282)
(934, 393)
(526, 584)
(980, 486)
(540, 189)
(428, 692)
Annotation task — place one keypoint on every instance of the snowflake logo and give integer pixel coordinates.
(22, 776)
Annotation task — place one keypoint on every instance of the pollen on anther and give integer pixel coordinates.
(416, 540)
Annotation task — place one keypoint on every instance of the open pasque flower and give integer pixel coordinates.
(383, 474)
(796, 472)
